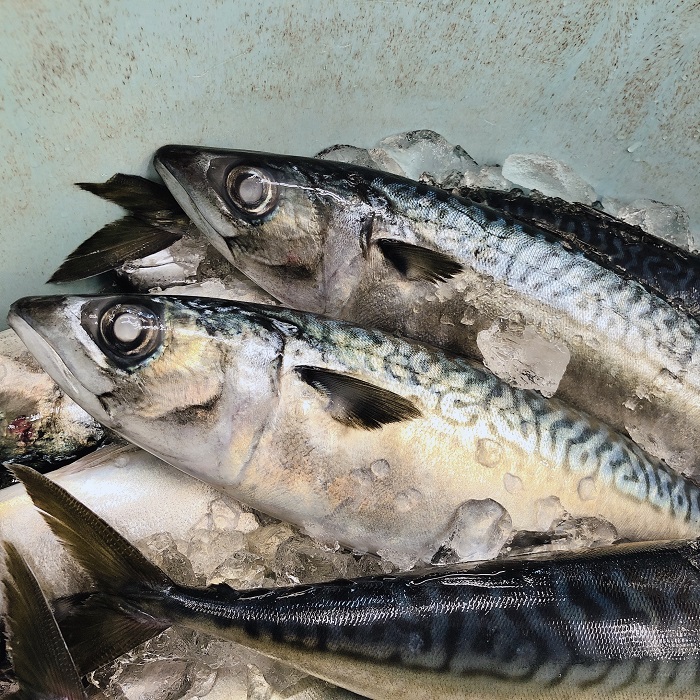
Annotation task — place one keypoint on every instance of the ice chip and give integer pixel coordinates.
(479, 529)
(209, 548)
(549, 512)
(347, 154)
(487, 177)
(425, 151)
(666, 221)
(163, 551)
(523, 358)
(548, 176)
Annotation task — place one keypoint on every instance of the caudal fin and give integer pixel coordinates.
(155, 222)
(98, 626)
(42, 664)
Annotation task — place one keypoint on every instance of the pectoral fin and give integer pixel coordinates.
(357, 403)
(417, 263)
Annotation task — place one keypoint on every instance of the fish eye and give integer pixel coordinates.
(252, 190)
(127, 333)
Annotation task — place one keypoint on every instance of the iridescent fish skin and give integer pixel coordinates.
(353, 434)
(379, 250)
(622, 622)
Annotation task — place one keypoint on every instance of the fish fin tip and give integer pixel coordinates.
(357, 403)
(41, 661)
(110, 559)
(99, 628)
(418, 263)
(125, 239)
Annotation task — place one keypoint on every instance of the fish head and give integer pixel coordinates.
(160, 372)
(290, 224)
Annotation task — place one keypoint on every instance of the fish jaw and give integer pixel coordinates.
(178, 165)
(46, 325)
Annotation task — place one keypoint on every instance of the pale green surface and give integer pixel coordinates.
(89, 88)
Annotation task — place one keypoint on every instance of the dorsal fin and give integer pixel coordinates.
(41, 661)
(418, 263)
(357, 403)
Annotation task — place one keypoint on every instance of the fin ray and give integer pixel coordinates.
(357, 403)
(418, 263)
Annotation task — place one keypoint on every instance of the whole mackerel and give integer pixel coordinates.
(621, 623)
(379, 250)
(355, 435)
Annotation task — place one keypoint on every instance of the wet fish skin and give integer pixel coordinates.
(353, 434)
(379, 250)
(621, 622)
(661, 267)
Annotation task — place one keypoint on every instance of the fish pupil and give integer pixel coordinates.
(251, 190)
(127, 327)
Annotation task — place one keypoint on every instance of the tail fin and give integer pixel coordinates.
(155, 222)
(41, 661)
(100, 626)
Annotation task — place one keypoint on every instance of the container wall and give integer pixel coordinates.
(91, 88)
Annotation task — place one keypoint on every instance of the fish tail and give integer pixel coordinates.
(42, 664)
(155, 221)
(98, 627)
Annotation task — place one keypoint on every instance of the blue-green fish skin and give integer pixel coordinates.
(621, 622)
(379, 250)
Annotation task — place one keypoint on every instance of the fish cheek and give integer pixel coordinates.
(292, 238)
(182, 384)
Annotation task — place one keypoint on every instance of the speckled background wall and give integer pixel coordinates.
(88, 88)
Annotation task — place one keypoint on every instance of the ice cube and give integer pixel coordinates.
(487, 177)
(425, 151)
(548, 176)
(208, 549)
(667, 221)
(523, 358)
(163, 551)
(479, 529)
(347, 154)
(307, 561)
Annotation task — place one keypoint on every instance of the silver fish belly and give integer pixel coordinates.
(379, 250)
(355, 435)
(621, 622)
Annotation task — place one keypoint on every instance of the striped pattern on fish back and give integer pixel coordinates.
(608, 621)
(661, 267)
(535, 263)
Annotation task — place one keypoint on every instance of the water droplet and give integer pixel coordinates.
(488, 452)
(363, 476)
(512, 483)
(469, 316)
(407, 500)
(587, 489)
(380, 468)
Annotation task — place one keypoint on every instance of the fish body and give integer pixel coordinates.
(353, 434)
(39, 424)
(621, 622)
(379, 250)
(661, 267)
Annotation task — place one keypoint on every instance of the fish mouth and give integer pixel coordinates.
(184, 172)
(37, 320)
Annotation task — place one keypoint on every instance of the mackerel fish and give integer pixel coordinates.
(382, 251)
(353, 434)
(621, 622)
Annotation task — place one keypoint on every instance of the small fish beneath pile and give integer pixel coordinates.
(39, 424)
(621, 622)
(355, 435)
(382, 251)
